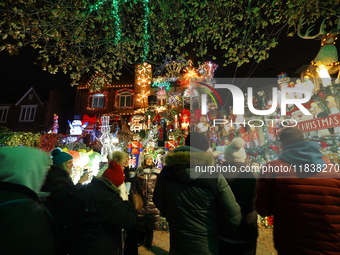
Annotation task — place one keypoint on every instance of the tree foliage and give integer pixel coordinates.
(82, 36)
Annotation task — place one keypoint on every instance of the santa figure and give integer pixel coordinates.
(137, 123)
(185, 119)
(203, 125)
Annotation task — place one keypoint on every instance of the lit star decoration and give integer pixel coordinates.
(188, 73)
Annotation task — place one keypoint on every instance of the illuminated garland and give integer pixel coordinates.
(118, 27)
(19, 139)
(89, 101)
(96, 82)
(166, 85)
(115, 14)
(146, 29)
(118, 92)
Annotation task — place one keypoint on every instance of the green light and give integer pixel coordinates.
(97, 5)
(166, 85)
(146, 29)
(117, 22)
(115, 14)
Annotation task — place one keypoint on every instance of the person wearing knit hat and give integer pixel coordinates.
(291, 135)
(197, 140)
(243, 185)
(235, 151)
(25, 227)
(62, 201)
(62, 160)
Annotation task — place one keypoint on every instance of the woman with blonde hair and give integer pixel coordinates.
(62, 203)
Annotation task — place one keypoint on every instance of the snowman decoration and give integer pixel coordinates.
(76, 127)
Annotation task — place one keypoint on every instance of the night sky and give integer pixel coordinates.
(19, 73)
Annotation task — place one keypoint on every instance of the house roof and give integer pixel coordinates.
(27, 93)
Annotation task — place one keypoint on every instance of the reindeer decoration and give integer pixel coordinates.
(327, 57)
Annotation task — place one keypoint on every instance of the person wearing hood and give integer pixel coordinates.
(243, 185)
(195, 205)
(62, 202)
(303, 195)
(25, 228)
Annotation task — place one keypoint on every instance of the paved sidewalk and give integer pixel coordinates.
(161, 243)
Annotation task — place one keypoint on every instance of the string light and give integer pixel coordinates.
(117, 22)
(146, 29)
(115, 14)
(143, 81)
(96, 6)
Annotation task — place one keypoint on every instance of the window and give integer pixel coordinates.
(3, 113)
(27, 113)
(125, 99)
(96, 101)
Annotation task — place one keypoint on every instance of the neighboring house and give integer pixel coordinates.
(33, 112)
(26, 114)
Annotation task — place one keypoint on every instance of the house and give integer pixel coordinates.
(33, 111)
(97, 96)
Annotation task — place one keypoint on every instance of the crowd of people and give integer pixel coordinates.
(42, 212)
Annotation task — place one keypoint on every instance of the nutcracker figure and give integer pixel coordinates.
(135, 147)
(254, 136)
(171, 144)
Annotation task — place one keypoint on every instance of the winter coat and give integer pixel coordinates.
(63, 204)
(194, 207)
(306, 206)
(100, 225)
(149, 216)
(243, 186)
(25, 227)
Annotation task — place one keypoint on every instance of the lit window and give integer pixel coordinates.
(27, 113)
(125, 99)
(98, 101)
(3, 113)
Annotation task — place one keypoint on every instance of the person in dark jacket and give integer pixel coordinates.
(149, 215)
(24, 225)
(100, 225)
(243, 185)
(63, 203)
(304, 201)
(194, 207)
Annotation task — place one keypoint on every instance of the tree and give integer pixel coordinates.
(82, 36)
